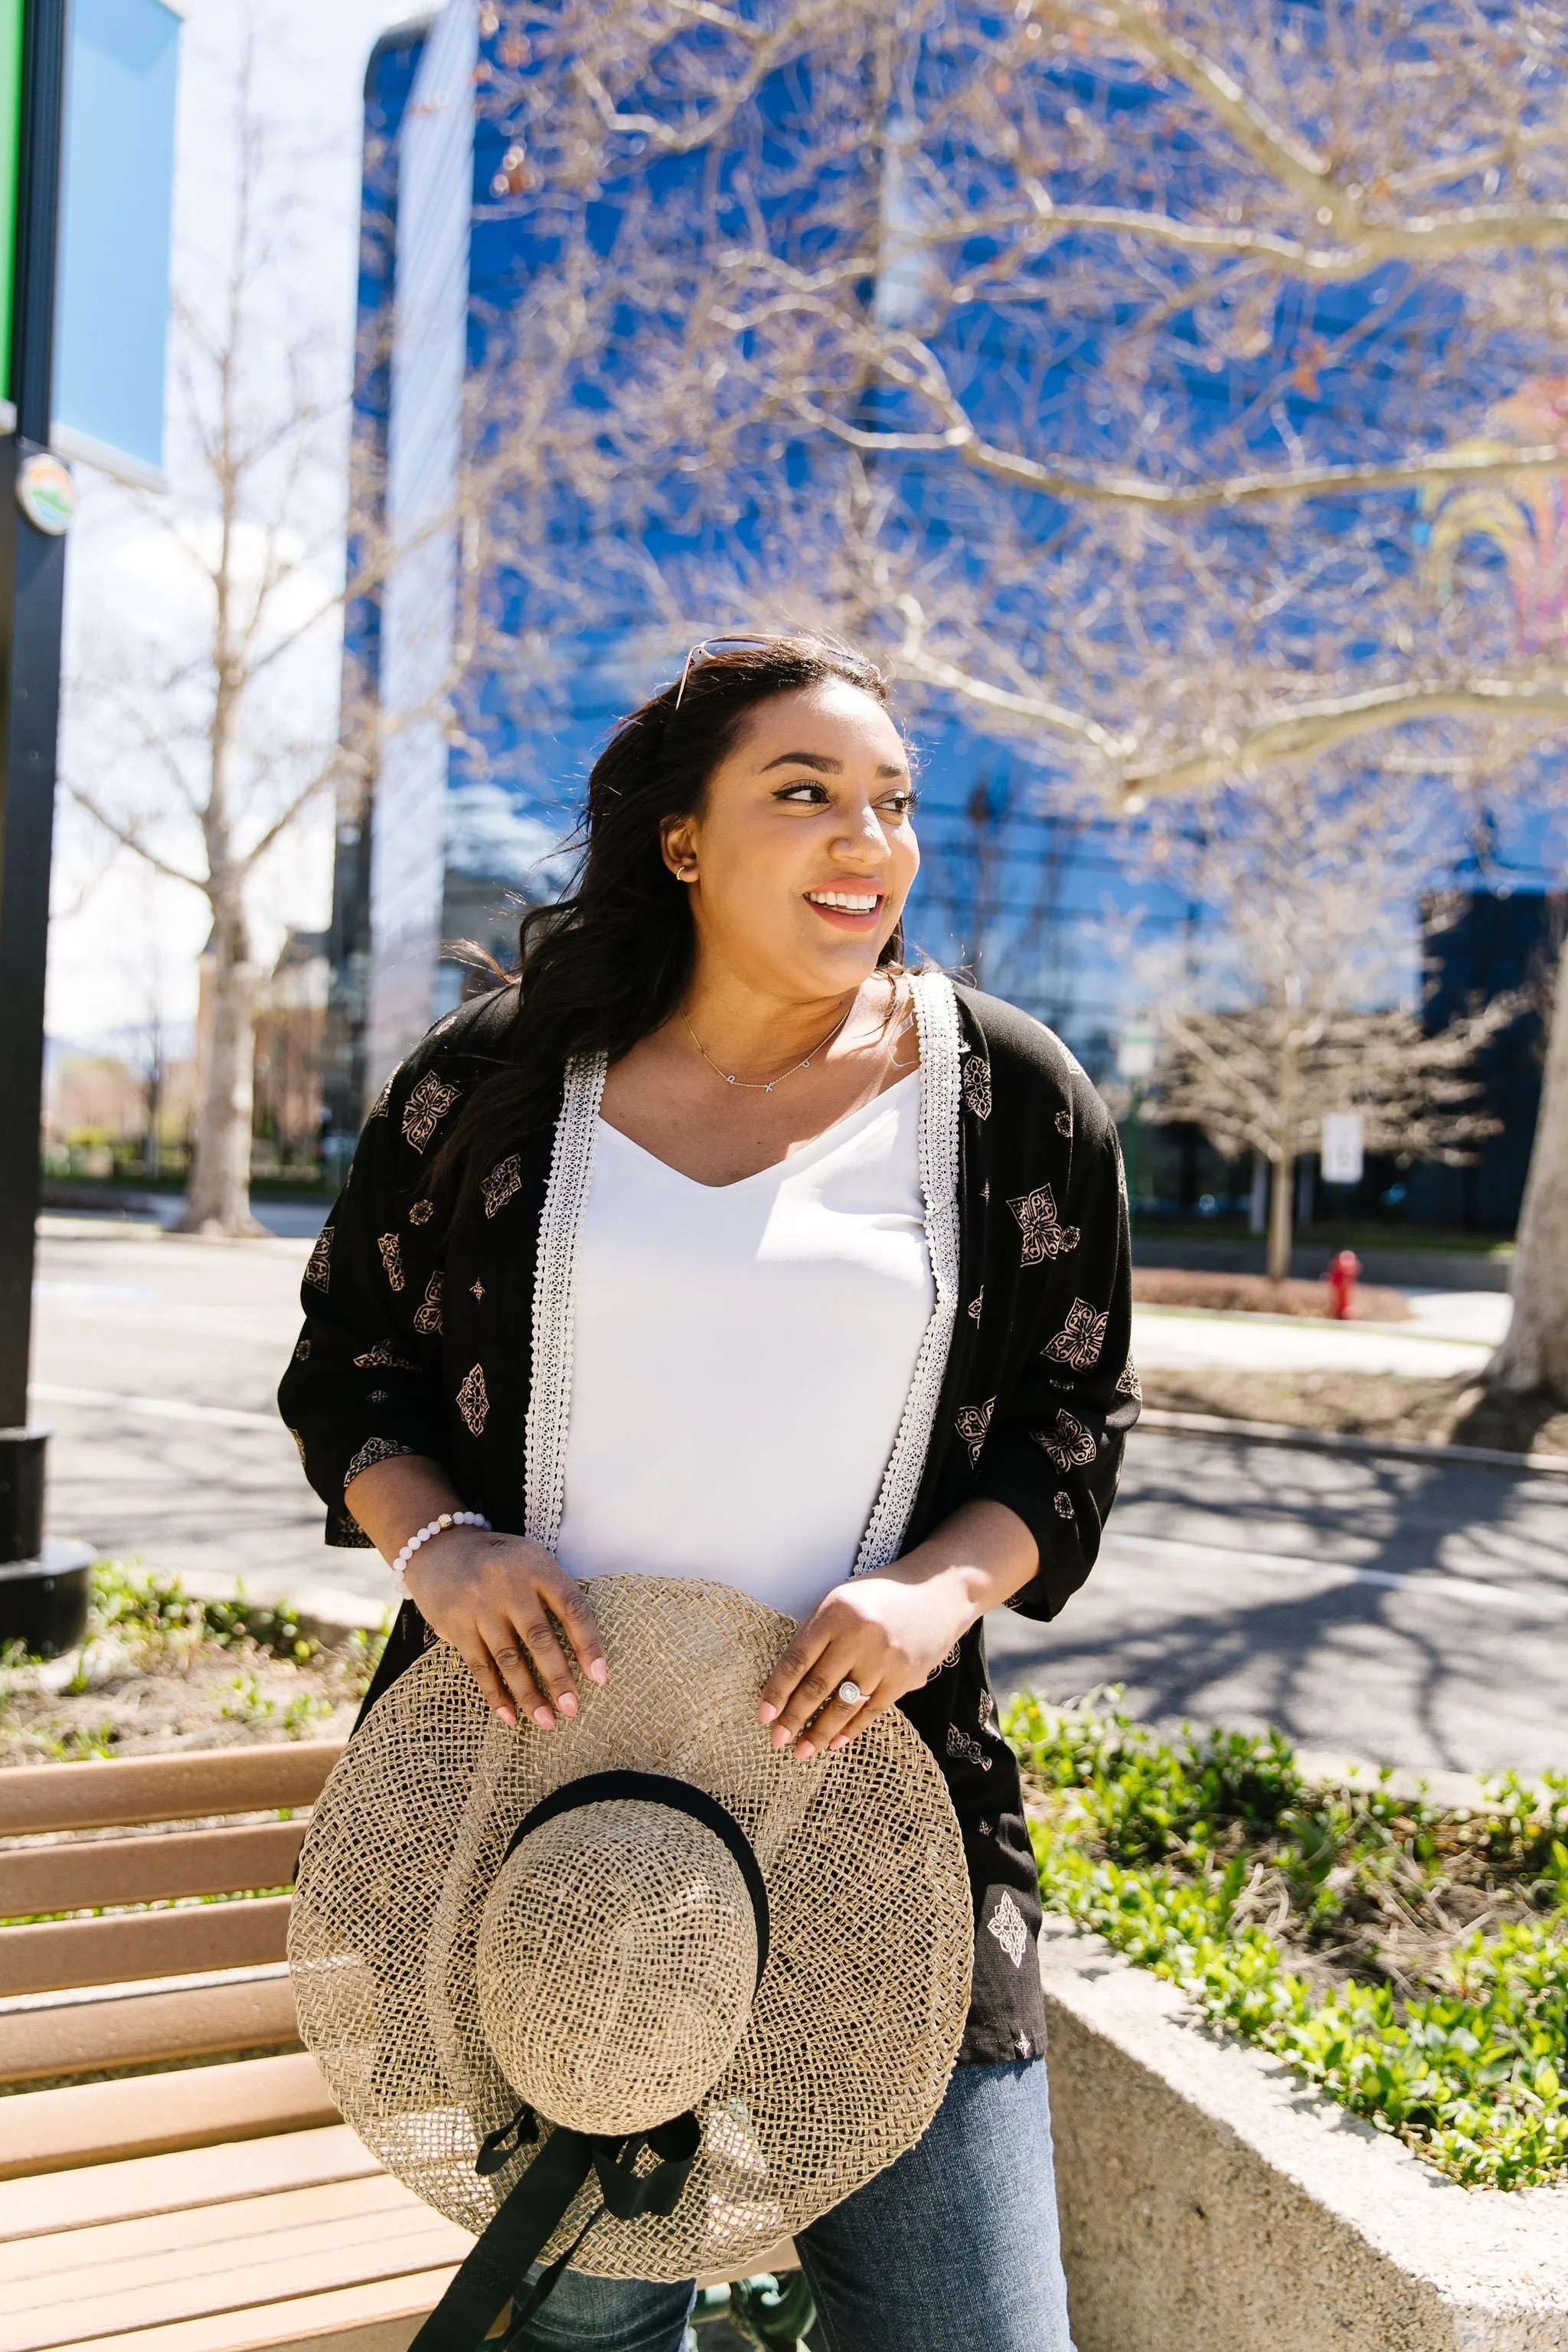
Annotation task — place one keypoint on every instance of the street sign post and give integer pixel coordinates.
(43, 1587)
(1344, 1155)
(109, 342)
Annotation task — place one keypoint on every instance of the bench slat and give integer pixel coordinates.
(138, 2251)
(97, 2140)
(146, 2028)
(383, 2315)
(65, 1954)
(184, 2266)
(148, 1869)
(171, 2184)
(119, 1795)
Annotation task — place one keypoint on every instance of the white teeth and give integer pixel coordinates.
(842, 899)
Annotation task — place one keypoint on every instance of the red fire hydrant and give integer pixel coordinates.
(1341, 1279)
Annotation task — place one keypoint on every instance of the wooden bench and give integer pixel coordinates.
(199, 2206)
(203, 2207)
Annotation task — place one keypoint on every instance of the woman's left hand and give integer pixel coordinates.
(884, 1634)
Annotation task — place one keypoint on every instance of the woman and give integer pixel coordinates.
(722, 1245)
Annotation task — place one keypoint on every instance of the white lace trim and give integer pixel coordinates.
(561, 1223)
(549, 1390)
(936, 1018)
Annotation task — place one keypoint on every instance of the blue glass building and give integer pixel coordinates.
(492, 699)
(451, 832)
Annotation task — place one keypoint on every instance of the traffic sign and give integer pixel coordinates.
(1343, 1156)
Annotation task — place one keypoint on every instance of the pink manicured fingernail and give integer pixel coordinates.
(599, 1673)
(765, 1713)
(544, 1719)
(802, 1750)
(782, 1736)
(840, 1742)
(567, 1703)
(504, 1715)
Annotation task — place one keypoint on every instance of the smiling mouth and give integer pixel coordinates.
(859, 908)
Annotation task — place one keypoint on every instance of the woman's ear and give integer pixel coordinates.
(678, 849)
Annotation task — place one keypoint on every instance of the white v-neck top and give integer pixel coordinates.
(741, 1355)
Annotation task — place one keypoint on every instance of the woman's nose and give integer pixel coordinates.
(869, 843)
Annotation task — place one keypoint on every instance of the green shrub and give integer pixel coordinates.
(144, 1605)
(1155, 1844)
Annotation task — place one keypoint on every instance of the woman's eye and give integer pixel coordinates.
(902, 803)
(808, 790)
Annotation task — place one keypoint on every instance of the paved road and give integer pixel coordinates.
(1409, 1612)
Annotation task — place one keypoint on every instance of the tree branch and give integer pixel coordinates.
(1422, 237)
(1482, 464)
(1315, 727)
(671, 139)
(1287, 159)
(291, 809)
(1295, 166)
(128, 838)
(914, 662)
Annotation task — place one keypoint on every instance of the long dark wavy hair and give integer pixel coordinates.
(609, 963)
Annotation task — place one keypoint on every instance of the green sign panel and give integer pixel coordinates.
(10, 127)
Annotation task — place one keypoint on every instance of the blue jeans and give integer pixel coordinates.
(954, 2249)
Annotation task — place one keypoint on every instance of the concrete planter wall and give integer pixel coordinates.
(1211, 2203)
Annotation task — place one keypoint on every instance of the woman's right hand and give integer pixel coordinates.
(494, 1597)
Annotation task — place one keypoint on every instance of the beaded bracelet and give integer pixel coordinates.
(437, 1526)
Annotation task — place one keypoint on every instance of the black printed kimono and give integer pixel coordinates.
(426, 1335)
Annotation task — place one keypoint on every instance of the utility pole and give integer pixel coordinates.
(43, 1585)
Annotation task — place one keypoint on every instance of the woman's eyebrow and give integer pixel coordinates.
(818, 760)
(822, 763)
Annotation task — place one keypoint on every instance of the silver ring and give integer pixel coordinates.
(851, 1694)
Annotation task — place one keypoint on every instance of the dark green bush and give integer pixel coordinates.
(1154, 1843)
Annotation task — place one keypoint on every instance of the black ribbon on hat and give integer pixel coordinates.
(496, 2272)
(496, 2269)
(661, 1788)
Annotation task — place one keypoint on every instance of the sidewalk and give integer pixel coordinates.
(1449, 1333)
(161, 1212)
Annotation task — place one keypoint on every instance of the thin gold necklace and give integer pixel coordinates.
(766, 1086)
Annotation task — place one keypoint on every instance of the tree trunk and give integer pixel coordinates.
(1280, 1217)
(217, 1200)
(1535, 1355)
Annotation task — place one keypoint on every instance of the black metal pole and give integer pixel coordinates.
(32, 590)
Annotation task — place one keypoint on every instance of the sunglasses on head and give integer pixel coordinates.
(710, 644)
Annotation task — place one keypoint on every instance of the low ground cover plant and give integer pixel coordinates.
(165, 1669)
(1410, 1959)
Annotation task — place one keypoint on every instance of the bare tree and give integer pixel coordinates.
(1284, 1019)
(192, 744)
(927, 300)
(1263, 1080)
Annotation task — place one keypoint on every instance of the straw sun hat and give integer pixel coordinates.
(642, 1974)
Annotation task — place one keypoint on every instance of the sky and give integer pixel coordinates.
(123, 941)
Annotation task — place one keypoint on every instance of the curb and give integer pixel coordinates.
(1209, 2196)
(1322, 1440)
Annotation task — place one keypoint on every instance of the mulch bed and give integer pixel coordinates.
(136, 1704)
(1368, 1404)
(1162, 1286)
(162, 1670)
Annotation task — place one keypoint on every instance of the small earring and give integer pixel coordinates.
(685, 873)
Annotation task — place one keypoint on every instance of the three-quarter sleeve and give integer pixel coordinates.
(1053, 1445)
(363, 1385)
